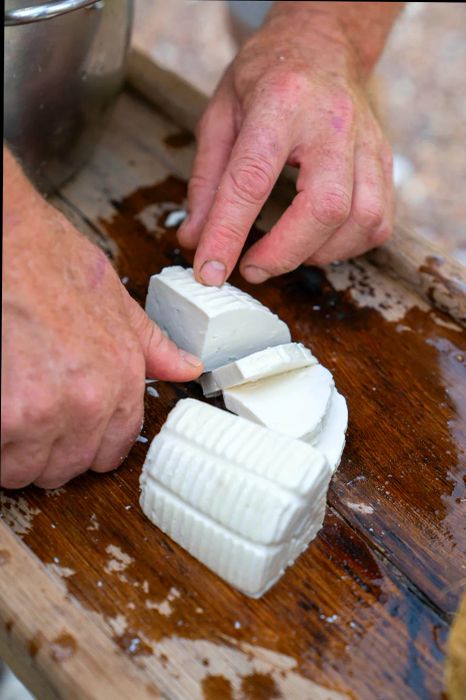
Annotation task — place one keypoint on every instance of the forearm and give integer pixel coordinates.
(361, 26)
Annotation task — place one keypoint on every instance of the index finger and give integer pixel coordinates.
(256, 161)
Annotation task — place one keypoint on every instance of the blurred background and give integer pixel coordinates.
(420, 87)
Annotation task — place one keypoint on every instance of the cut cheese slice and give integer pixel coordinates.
(261, 364)
(244, 500)
(217, 324)
(331, 440)
(294, 403)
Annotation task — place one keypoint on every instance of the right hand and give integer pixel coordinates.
(76, 351)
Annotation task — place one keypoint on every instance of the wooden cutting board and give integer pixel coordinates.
(95, 602)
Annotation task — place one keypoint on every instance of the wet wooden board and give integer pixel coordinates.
(365, 611)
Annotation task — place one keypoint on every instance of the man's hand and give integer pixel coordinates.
(294, 94)
(76, 349)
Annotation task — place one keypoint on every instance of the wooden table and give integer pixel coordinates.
(95, 602)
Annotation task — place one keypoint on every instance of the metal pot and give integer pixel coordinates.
(64, 66)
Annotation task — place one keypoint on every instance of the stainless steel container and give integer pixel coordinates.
(64, 66)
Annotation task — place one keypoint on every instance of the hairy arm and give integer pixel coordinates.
(76, 347)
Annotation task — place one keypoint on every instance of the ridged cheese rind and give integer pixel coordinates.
(245, 504)
(245, 443)
(264, 363)
(218, 324)
(331, 440)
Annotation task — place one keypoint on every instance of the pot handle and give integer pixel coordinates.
(26, 15)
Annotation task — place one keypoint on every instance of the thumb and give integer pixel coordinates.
(164, 360)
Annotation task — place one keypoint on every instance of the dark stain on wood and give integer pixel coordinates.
(383, 576)
(35, 644)
(9, 626)
(63, 647)
(216, 688)
(179, 140)
(4, 556)
(259, 686)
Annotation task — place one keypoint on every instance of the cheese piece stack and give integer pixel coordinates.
(244, 494)
(218, 485)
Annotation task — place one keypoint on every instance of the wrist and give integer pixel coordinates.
(351, 34)
(300, 34)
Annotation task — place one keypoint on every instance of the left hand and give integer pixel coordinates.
(294, 94)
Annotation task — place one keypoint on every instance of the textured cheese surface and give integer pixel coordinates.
(331, 440)
(294, 403)
(259, 365)
(218, 324)
(244, 500)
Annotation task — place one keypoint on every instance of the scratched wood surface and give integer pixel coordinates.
(365, 612)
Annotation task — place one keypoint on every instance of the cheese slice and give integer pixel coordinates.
(261, 364)
(217, 324)
(294, 403)
(331, 440)
(240, 498)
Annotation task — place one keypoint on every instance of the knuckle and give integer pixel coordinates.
(198, 182)
(291, 85)
(252, 179)
(332, 208)
(369, 215)
(39, 413)
(90, 398)
(228, 236)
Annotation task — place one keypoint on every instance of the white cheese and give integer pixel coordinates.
(175, 218)
(331, 440)
(240, 498)
(294, 403)
(218, 324)
(261, 364)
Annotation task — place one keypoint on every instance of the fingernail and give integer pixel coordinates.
(190, 359)
(255, 275)
(213, 273)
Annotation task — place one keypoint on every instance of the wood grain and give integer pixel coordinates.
(69, 657)
(365, 611)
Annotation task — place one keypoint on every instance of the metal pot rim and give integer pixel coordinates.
(39, 13)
